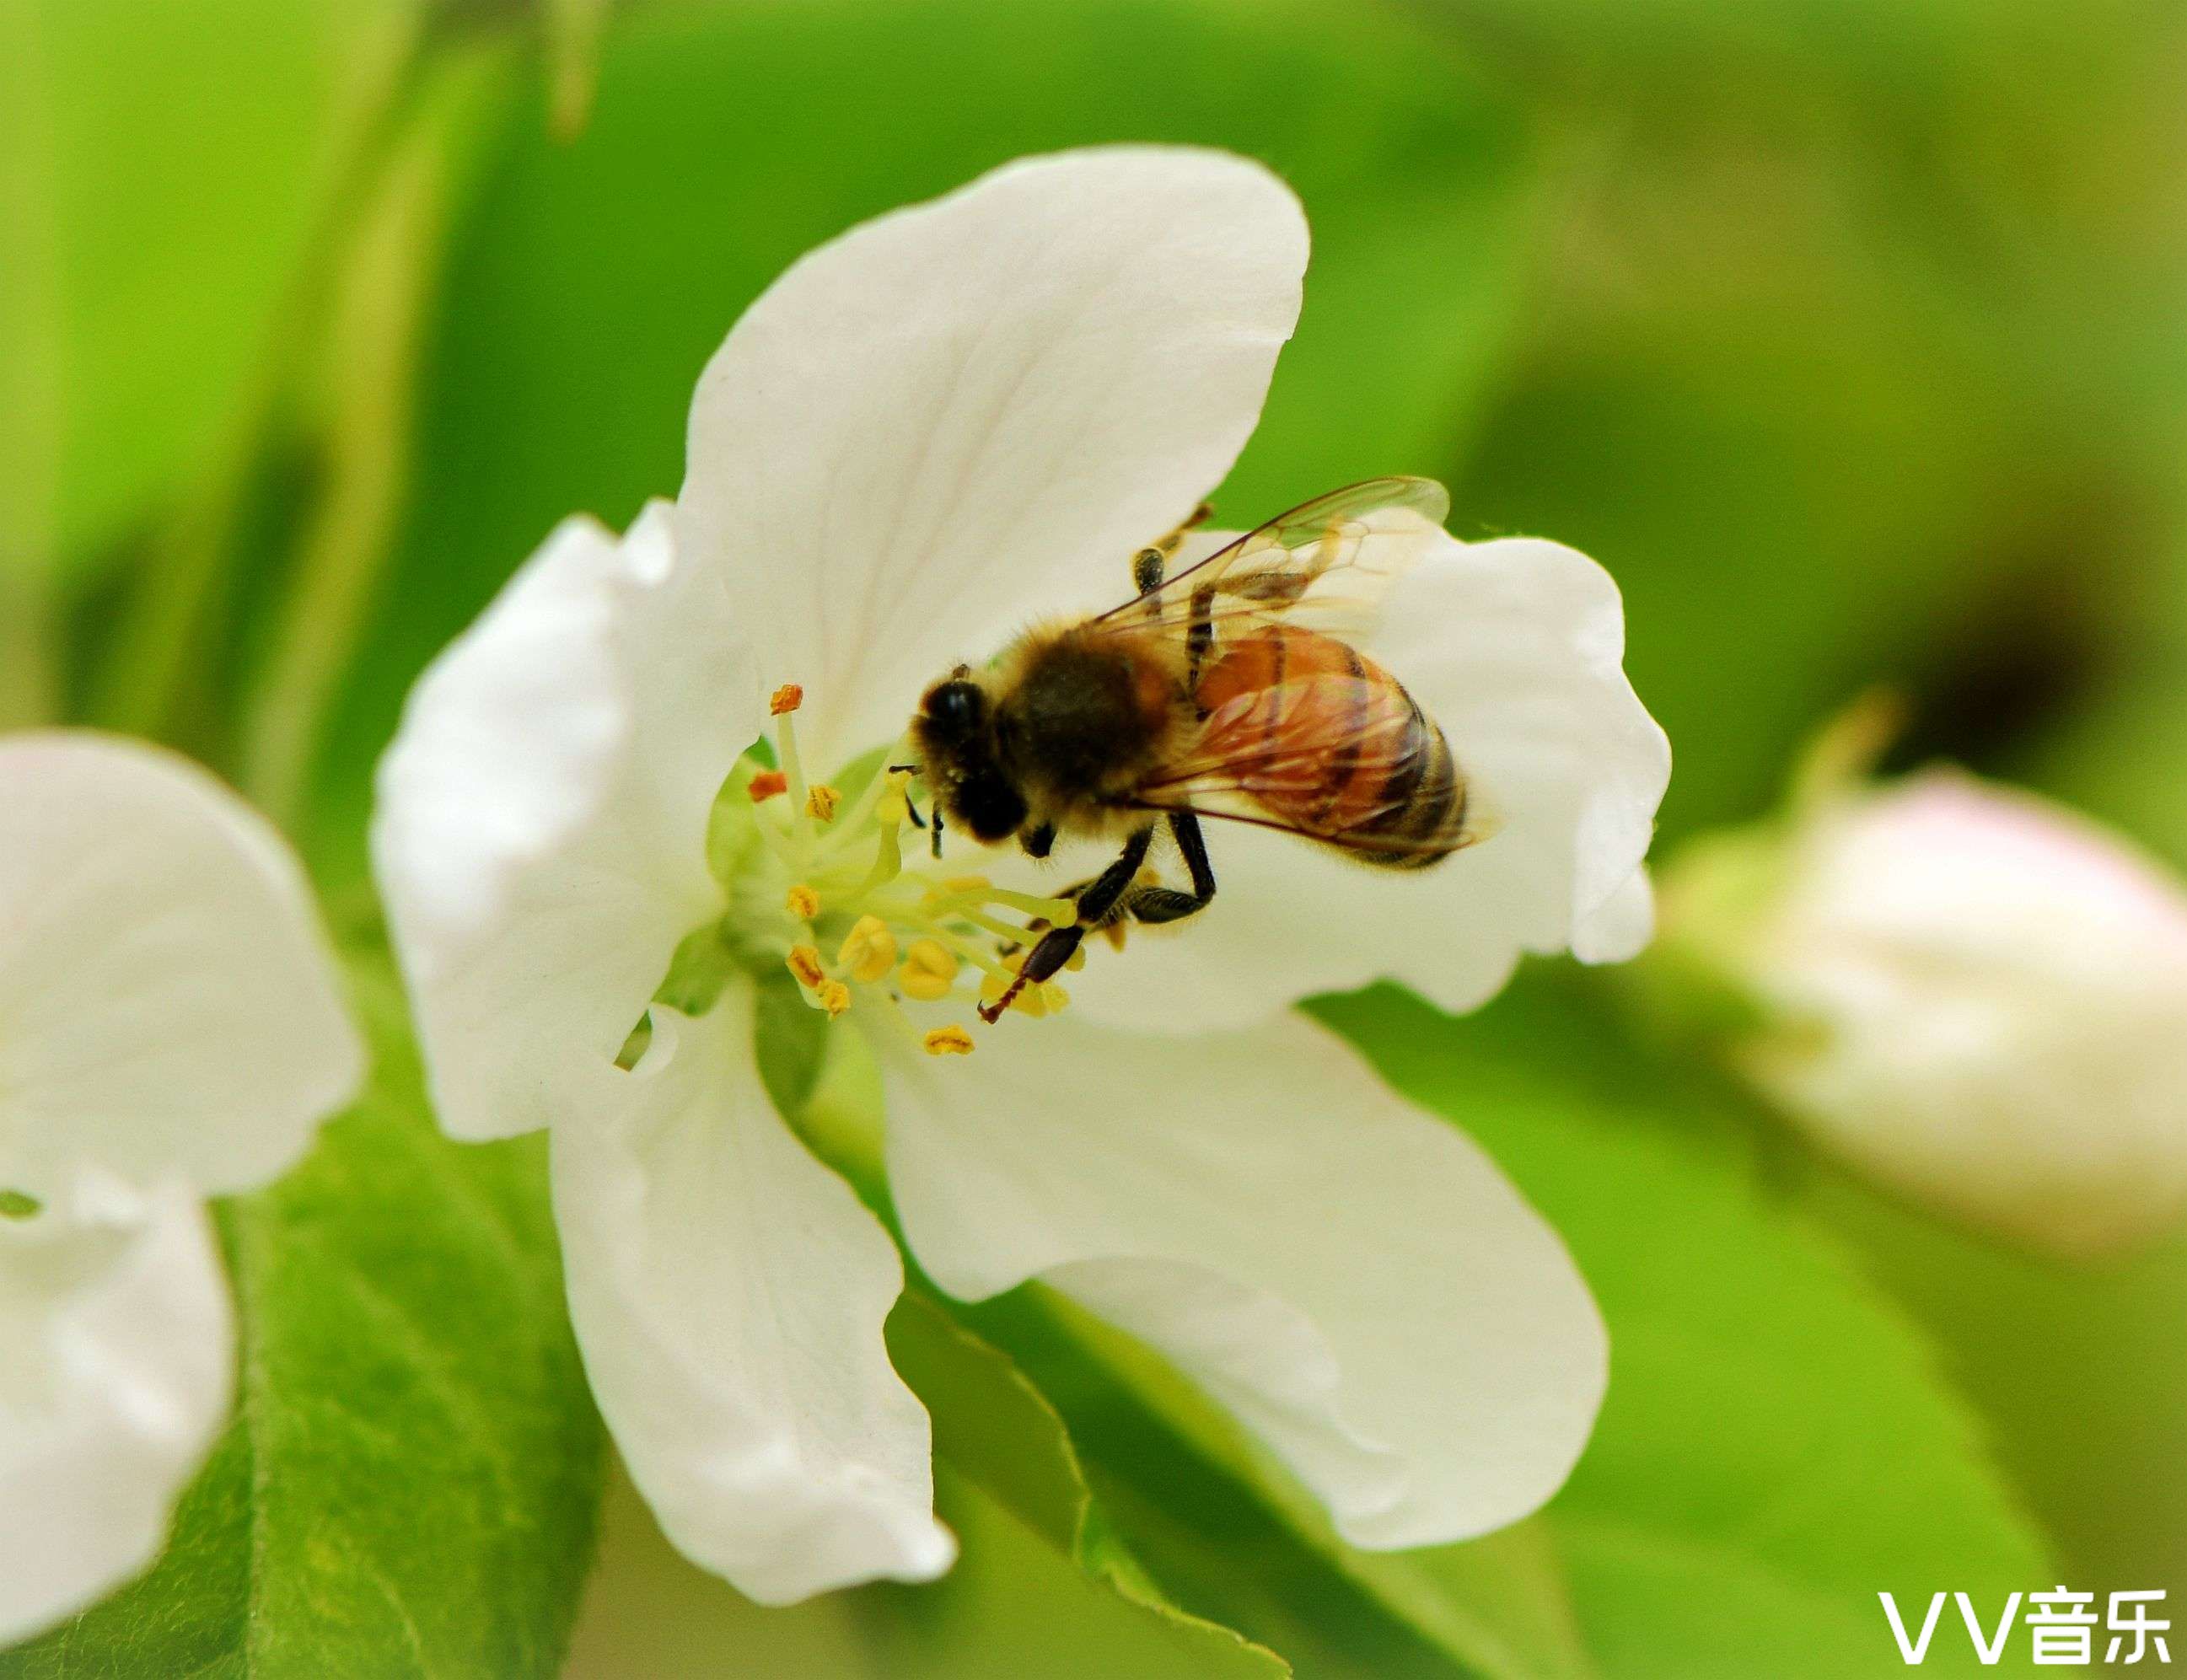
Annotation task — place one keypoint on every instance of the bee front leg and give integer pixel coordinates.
(1101, 895)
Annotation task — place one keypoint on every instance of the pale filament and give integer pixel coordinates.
(851, 867)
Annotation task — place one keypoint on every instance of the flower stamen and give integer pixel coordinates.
(905, 934)
(868, 951)
(804, 962)
(930, 970)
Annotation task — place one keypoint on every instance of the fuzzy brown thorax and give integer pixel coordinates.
(1061, 732)
(1081, 718)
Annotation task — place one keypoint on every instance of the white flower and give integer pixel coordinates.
(171, 1027)
(1981, 998)
(951, 420)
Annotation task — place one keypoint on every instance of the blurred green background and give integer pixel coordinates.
(1851, 337)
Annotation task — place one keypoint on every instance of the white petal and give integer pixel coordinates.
(168, 1002)
(729, 1293)
(1355, 1279)
(1515, 646)
(120, 1346)
(968, 411)
(540, 835)
(1620, 928)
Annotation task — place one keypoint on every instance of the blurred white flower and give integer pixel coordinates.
(171, 1027)
(949, 420)
(1981, 998)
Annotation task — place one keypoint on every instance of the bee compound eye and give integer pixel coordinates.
(956, 706)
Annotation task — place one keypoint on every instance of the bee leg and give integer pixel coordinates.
(1150, 564)
(934, 834)
(1154, 905)
(1100, 897)
(1038, 842)
(1198, 636)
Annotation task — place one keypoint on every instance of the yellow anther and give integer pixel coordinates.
(868, 951)
(802, 903)
(1048, 998)
(788, 697)
(948, 1041)
(834, 997)
(930, 970)
(804, 963)
(1075, 960)
(766, 785)
(822, 801)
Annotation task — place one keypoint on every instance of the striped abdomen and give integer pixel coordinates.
(1328, 744)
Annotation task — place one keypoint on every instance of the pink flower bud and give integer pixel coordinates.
(1981, 998)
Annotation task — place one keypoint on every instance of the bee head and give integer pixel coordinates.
(955, 734)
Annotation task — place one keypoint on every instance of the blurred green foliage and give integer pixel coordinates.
(1850, 336)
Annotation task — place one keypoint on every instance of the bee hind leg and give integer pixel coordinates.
(1154, 905)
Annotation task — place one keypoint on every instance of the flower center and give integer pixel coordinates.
(816, 880)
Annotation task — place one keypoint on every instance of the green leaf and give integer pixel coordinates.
(1777, 1445)
(409, 1484)
(1231, 1536)
(1013, 1605)
(992, 1425)
(2079, 1371)
(562, 371)
(164, 171)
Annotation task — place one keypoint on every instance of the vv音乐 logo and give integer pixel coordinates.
(2062, 1627)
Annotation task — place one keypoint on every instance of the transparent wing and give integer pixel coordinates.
(1328, 758)
(1327, 561)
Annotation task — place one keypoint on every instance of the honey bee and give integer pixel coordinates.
(1227, 691)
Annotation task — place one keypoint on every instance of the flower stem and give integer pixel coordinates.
(378, 307)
